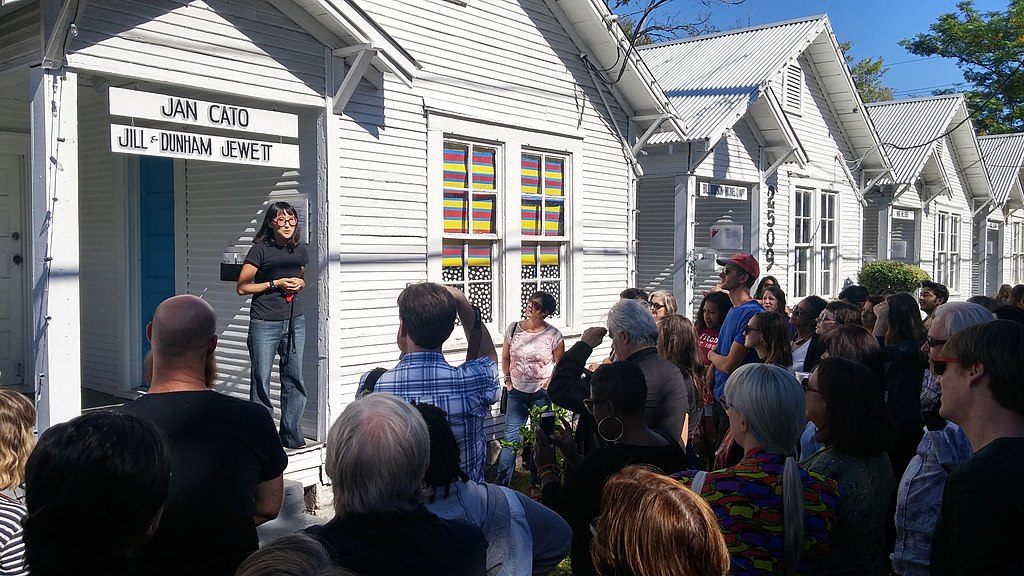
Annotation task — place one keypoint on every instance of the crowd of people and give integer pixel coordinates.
(873, 434)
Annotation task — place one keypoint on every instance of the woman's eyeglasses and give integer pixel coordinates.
(285, 220)
(656, 306)
(939, 365)
(824, 318)
(806, 385)
(748, 329)
(588, 403)
(933, 343)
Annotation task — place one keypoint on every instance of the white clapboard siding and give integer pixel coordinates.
(783, 248)
(869, 236)
(509, 62)
(824, 142)
(246, 48)
(224, 206)
(957, 202)
(14, 115)
(105, 317)
(20, 31)
(656, 233)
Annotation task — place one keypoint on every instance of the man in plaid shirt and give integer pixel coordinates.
(427, 318)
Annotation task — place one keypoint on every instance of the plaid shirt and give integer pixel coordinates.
(465, 392)
(930, 392)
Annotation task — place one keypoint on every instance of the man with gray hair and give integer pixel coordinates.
(377, 453)
(634, 336)
(942, 447)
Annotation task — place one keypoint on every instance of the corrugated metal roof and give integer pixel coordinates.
(910, 130)
(905, 123)
(1004, 158)
(711, 80)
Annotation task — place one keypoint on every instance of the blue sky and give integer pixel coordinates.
(874, 26)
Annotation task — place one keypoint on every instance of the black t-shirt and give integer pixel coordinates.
(221, 448)
(413, 542)
(273, 262)
(979, 530)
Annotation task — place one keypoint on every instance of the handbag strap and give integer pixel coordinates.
(698, 481)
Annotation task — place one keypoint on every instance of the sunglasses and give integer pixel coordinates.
(725, 404)
(657, 306)
(806, 385)
(797, 312)
(933, 343)
(939, 365)
(285, 220)
(588, 403)
(824, 318)
(748, 329)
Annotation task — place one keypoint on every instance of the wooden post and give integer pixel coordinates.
(56, 304)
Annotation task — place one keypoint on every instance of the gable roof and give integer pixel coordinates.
(332, 20)
(1004, 158)
(714, 80)
(911, 130)
(595, 31)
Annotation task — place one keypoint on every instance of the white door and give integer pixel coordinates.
(13, 268)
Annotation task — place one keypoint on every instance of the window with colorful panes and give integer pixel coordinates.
(544, 239)
(474, 190)
(471, 199)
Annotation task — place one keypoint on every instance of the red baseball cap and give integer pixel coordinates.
(744, 262)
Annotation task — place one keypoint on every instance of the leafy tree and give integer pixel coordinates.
(989, 49)
(867, 75)
(647, 21)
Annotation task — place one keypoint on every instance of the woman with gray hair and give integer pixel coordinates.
(377, 454)
(663, 304)
(776, 516)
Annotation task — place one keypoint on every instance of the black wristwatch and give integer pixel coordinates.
(272, 285)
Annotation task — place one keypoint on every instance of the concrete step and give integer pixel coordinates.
(293, 516)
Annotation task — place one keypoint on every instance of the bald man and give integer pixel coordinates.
(226, 456)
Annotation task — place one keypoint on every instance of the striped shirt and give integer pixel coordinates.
(465, 392)
(12, 549)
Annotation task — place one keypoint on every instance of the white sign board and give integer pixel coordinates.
(993, 225)
(898, 214)
(726, 236)
(152, 106)
(192, 146)
(899, 249)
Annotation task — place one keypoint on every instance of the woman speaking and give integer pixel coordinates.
(272, 275)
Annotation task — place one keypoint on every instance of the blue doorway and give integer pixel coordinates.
(156, 237)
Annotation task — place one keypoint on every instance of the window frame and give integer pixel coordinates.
(810, 244)
(1017, 252)
(513, 141)
(948, 234)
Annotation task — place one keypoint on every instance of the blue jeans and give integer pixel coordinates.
(517, 412)
(267, 338)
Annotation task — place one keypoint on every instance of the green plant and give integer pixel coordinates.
(889, 274)
(527, 432)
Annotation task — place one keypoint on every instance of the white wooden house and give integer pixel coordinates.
(482, 144)
(775, 156)
(1004, 221)
(925, 215)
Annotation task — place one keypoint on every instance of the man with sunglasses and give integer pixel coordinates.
(942, 447)
(979, 526)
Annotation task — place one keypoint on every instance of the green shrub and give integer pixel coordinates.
(889, 274)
